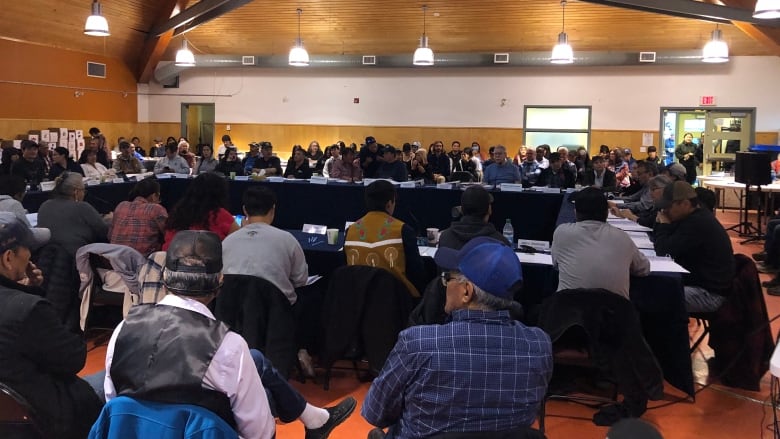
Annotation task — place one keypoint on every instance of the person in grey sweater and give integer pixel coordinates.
(12, 189)
(73, 223)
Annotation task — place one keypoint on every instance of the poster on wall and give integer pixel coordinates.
(45, 138)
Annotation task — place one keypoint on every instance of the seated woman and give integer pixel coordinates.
(420, 169)
(230, 164)
(73, 223)
(140, 222)
(203, 207)
(298, 166)
(92, 169)
(345, 167)
(315, 156)
(207, 161)
(62, 162)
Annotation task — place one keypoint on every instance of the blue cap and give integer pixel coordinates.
(489, 264)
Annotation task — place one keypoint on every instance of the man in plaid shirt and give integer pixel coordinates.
(481, 372)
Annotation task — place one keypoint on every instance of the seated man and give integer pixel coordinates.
(590, 253)
(195, 359)
(481, 372)
(646, 217)
(249, 160)
(392, 168)
(439, 163)
(127, 162)
(696, 240)
(530, 169)
(380, 240)
(172, 162)
(641, 200)
(30, 167)
(140, 222)
(39, 357)
(556, 175)
(267, 161)
(476, 206)
(600, 176)
(502, 170)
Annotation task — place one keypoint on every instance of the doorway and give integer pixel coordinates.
(197, 124)
(718, 133)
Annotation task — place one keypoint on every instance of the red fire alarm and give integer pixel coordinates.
(356, 100)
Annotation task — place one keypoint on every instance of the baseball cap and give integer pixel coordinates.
(677, 170)
(157, 139)
(14, 233)
(677, 191)
(370, 140)
(194, 251)
(489, 264)
(389, 148)
(626, 151)
(475, 201)
(251, 144)
(416, 143)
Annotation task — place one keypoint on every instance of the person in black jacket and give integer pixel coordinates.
(230, 164)
(694, 238)
(556, 175)
(391, 167)
(600, 176)
(39, 357)
(475, 208)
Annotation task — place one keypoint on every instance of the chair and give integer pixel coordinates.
(462, 176)
(600, 330)
(92, 261)
(17, 418)
(363, 311)
(257, 310)
(739, 331)
(128, 418)
(702, 320)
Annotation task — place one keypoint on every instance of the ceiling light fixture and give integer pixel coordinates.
(562, 53)
(299, 57)
(423, 56)
(96, 24)
(767, 9)
(184, 57)
(716, 50)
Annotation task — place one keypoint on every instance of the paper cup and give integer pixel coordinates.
(333, 236)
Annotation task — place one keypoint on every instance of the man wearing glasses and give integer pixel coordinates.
(642, 200)
(481, 372)
(126, 161)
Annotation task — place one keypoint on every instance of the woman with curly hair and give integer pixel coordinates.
(203, 207)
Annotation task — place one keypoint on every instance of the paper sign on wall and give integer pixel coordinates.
(647, 139)
(45, 138)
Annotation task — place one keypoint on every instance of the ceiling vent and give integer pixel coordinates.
(369, 60)
(247, 60)
(646, 56)
(96, 70)
(500, 58)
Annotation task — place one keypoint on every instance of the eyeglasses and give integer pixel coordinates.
(450, 276)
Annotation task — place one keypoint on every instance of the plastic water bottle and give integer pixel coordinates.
(509, 232)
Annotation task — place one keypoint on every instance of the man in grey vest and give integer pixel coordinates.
(194, 358)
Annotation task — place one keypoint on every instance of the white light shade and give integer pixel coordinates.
(184, 57)
(562, 53)
(96, 24)
(423, 56)
(299, 57)
(716, 50)
(767, 9)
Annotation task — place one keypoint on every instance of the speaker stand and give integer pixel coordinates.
(745, 227)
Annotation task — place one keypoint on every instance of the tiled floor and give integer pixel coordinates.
(718, 412)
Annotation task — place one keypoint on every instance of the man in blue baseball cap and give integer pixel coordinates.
(480, 372)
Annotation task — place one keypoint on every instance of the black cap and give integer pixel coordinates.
(14, 233)
(389, 148)
(194, 251)
(475, 201)
(370, 140)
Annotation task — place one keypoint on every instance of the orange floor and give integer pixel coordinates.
(718, 412)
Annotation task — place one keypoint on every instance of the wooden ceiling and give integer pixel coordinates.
(371, 27)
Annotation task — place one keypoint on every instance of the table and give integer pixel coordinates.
(533, 214)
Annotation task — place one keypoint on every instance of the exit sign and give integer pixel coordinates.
(706, 100)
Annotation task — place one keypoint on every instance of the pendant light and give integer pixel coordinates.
(562, 53)
(184, 57)
(96, 24)
(716, 50)
(299, 57)
(423, 56)
(767, 9)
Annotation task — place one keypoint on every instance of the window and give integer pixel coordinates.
(556, 126)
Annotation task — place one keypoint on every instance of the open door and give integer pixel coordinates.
(197, 124)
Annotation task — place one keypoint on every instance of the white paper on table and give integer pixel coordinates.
(647, 252)
(427, 251)
(642, 242)
(535, 258)
(33, 219)
(666, 265)
(311, 279)
(628, 225)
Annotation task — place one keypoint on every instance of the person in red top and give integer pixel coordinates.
(202, 208)
(140, 222)
(776, 165)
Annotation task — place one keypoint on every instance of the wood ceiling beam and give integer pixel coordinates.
(768, 37)
(155, 46)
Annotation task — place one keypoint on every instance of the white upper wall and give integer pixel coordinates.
(623, 98)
